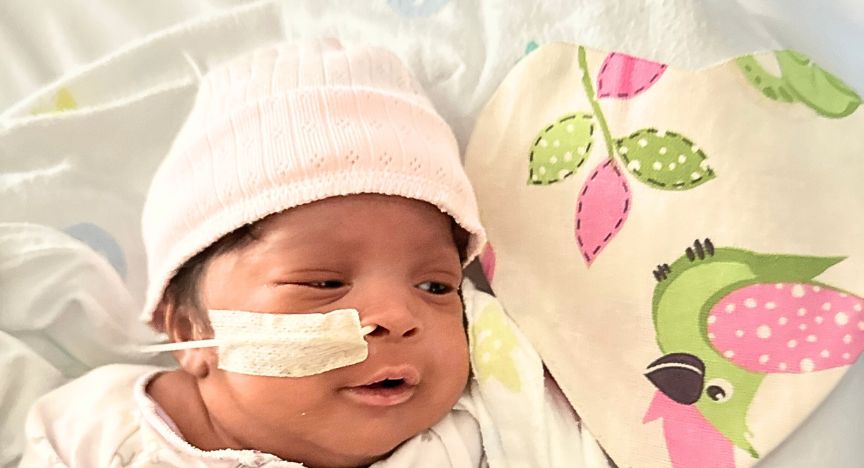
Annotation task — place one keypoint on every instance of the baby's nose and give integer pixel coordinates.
(392, 321)
(381, 331)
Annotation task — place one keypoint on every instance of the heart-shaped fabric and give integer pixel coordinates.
(682, 247)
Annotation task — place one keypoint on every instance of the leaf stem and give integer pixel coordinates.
(598, 113)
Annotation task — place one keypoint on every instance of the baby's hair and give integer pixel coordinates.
(183, 292)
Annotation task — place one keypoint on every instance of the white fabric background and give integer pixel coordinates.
(460, 50)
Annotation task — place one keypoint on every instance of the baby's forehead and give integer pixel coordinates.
(347, 213)
(353, 219)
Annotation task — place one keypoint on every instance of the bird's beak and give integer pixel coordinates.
(680, 376)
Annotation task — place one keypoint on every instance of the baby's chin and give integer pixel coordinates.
(349, 449)
(370, 441)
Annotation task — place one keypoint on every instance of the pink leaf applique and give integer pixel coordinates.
(602, 209)
(788, 327)
(487, 262)
(691, 440)
(623, 76)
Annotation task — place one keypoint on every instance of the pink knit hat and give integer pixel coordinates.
(291, 124)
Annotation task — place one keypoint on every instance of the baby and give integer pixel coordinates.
(305, 239)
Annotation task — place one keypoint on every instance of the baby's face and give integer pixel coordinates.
(395, 261)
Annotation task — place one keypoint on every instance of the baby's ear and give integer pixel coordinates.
(181, 325)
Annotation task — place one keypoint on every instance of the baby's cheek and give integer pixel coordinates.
(452, 358)
(276, 398)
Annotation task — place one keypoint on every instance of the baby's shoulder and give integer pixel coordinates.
(104, 389)
(92, 416)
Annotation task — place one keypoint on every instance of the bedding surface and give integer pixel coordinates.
(91, 93)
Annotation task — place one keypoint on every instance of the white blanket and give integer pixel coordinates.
(91, 93)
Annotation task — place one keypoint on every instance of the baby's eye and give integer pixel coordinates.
(326, 284)
(433, 287)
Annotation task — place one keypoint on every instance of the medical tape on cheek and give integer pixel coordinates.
(282, 345)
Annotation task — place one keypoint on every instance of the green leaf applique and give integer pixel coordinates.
(664, 160)
(560, 149)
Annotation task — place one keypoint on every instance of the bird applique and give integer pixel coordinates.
(725, 318)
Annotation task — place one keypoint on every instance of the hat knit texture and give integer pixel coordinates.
(290, 124)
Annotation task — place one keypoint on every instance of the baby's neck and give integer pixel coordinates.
(178, 395)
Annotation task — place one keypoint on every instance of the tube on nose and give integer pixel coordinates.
(283, 345)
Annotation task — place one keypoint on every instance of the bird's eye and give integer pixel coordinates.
(719, 390)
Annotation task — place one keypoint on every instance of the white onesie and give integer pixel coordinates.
(105, 419)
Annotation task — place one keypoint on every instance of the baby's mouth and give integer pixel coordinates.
(387, 388)
(386, 384)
